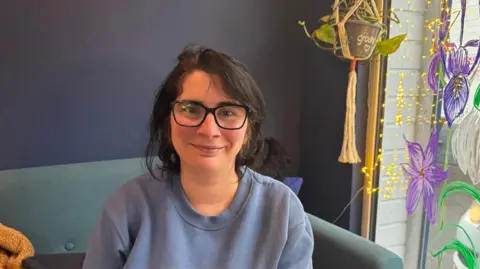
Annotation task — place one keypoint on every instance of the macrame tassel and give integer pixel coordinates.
(349, 149)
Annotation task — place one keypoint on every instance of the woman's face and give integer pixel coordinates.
(207, 146)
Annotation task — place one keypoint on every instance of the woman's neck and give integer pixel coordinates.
(209, 193)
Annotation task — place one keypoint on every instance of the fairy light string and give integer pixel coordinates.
(409, 111)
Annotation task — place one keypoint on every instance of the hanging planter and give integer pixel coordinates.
(353, 31)
(362, 37)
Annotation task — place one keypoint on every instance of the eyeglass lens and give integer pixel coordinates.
(191, 114)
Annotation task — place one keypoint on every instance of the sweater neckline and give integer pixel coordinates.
(190, 215)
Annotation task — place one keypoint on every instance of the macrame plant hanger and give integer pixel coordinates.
(349, 152)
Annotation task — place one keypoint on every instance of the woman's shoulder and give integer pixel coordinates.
(275, 194)
(137, 192)
(270, 184)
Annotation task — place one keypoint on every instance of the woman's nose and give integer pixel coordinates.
(209, 127)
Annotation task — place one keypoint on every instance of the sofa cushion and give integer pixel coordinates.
(55, 261)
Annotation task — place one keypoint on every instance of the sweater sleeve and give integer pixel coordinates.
(106, 249)
(298, 251)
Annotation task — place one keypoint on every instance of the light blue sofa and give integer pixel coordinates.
(56, 208)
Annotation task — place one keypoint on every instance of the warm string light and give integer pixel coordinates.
(395, 179)
(400, 101)
(408, 100)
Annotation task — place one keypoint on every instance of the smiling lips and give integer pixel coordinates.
(207, 149)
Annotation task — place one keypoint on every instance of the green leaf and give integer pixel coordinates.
(389, 46)
(326, 18)
(441, 74)
(325, 33)
(395, 18)
(457, 187)
(476, 99)
(469, 254)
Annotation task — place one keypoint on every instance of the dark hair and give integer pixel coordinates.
(237, 84)
(272, 160)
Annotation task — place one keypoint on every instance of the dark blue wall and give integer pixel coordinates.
(329, 185)
(77, 80)
(78, 77)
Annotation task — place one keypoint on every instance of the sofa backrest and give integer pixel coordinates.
(57, 206)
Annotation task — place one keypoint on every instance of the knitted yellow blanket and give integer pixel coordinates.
(14, 248)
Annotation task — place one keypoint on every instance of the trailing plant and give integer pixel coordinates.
(353, 30)
(329, 36)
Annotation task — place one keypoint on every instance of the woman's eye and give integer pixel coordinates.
(228, 113)
(188, 109)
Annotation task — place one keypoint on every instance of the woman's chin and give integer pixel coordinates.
(207, 163)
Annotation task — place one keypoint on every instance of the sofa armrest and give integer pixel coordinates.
(338, 248)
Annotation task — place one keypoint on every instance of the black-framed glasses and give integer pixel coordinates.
(228, 116)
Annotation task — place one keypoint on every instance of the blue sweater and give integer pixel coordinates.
(148, 224)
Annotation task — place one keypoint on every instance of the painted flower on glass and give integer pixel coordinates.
(457, 89)
(434, 69)
(424, 175)
(457, 66)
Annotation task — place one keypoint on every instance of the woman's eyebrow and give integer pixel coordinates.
(223, 103)
(227, 103)
(191, 101)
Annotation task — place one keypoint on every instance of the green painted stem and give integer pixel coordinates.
(447, 150)
(445, 167)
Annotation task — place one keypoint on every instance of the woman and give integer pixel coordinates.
(202, 207)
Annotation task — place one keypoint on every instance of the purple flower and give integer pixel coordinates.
(424, 176)
(444, 24)
(432, 72)
(433, 69)
(463, 7)
(458, 67)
